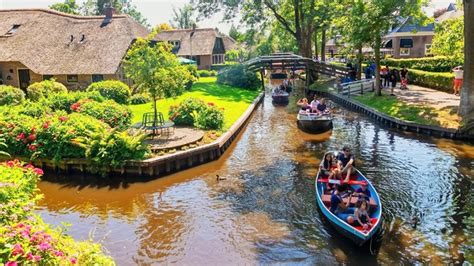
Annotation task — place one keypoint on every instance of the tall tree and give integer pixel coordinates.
(68, 6)
(467, 93)
(234, 33)
(449, 39)
(155, 69)
(183, 18)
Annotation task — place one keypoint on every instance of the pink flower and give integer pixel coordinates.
(29, 256)
(32, 137)
(17, 250)
(38, 171)
(32, 147)
(36, 258)
(62, 118)
(20, 136)
(25, 233)
(11, 263)
(58, 253)
(73, 260)
(44, 246)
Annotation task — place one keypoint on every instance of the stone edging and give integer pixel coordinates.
(168, 163)
(389, 121)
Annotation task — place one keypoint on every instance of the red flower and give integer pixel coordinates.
(17, 250)
(73, 260)
(33, 130)
(32, 137)
(62, 118)
(20, 136)
(11, 263)
(46, 125)
(38, 171)
(75, 107)
(210, 104)
(32, 147)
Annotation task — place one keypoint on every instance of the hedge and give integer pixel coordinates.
(432, 80)
(113, 90)
(431, 64)
(44, 89)
(238, 76)
(10, 95)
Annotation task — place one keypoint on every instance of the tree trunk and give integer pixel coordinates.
(316, 44)
(466, 109)
(359, 62)
(378, 41)
(323, 44)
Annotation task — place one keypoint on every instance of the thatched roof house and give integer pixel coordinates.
(37, 44)
(206, 46)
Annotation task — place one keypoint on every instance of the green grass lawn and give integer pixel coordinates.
(419, 114)
(234, 100)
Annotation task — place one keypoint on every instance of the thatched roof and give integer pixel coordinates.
(201, 43)
(43, 41)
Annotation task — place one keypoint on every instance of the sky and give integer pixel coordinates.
(160, 11)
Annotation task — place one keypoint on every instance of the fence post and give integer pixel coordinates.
(373, 85)
(362, 88)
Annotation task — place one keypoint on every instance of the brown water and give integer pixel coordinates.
(265, 212)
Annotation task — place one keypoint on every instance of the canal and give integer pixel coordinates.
(265, 210)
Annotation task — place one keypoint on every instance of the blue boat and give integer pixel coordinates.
(355, 233)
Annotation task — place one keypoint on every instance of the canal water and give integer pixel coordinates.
(265, 210)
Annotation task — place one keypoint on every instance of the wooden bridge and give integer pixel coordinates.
(292, 62)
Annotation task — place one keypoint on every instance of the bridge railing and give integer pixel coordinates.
(355, 87)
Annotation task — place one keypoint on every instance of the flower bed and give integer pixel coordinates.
(24, 237)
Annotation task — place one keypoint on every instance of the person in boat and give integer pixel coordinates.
(329, 168)
(346, 162)
(314, 104)
(340, 208)
(361, 215)
(363, 193)
(303, 103)
(322, 108)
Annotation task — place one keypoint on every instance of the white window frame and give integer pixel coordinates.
(428, 50)
(218, 59)
(404, 54)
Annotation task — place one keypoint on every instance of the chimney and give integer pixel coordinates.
(109, 11)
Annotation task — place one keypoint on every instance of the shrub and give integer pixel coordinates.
(192, 69)
(140, 98)
(25, 239)
(182, 113)
(207, 73)
(209, 118)
(109, 111)
(43, 89)
(238, 76)
(113, 90)
(34, 109)
(10, 95)
(63, 101)
(431, 64)
(433, 80)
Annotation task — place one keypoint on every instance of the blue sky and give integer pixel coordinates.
(159, 11)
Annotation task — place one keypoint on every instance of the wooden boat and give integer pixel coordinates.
(313, 122)
(280, 97)
(355, 233)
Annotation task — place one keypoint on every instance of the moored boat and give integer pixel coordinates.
(313, 122)
(356, 233)
(280, 97)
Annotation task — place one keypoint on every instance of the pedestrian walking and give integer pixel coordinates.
(393, 76)
(458, 76)
(404, 78)
(383, 75)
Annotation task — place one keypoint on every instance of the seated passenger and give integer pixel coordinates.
(314, 104)
(321, 108)
(328, 168)
(362, 216)
(303, 103)
(345, 163)
(339, 207)
(363, 192)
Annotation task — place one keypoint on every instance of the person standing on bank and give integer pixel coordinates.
(404, 78)
(458, 77)
(393, 75)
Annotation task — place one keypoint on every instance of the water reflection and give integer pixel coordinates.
(265, 211)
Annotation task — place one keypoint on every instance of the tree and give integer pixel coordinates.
(183, 17)
(155, 69)
(131, 10)
(466, 109)
(69, 6)
(234, 33)
(449, 39)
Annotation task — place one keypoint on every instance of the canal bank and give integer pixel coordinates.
(265, 211)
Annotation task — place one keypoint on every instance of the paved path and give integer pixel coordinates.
(182, 136)
(436, 99)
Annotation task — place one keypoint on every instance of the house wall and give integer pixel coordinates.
(9, 73)
(418, 49)
(206, 62)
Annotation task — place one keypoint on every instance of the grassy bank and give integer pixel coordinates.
(413, 113)
(234, 100)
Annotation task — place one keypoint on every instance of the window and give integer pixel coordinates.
(428, 49)
(72, 79)
(12, 30)
(97, 77)
(47, 77)
(404, 51)
(174, 43)
(218, 59)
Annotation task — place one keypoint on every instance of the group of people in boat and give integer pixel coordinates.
(316, 106)
(340, 168)
(286, 86)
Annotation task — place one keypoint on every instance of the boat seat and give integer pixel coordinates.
(326, 198)
(361, 229)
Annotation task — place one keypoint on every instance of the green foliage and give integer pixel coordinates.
(206, 73)
(449, 39)
(140, 98)
(112, 89)
(239, 76)
(182, 114)
(192, 69)
(34, 109)
(10, 95)
(210, 117)
(64, 101)
(433, 80)
(24, 237)
(431, 64)
(183, 18)
(43, 89)
(110, 112)
(69, 6)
